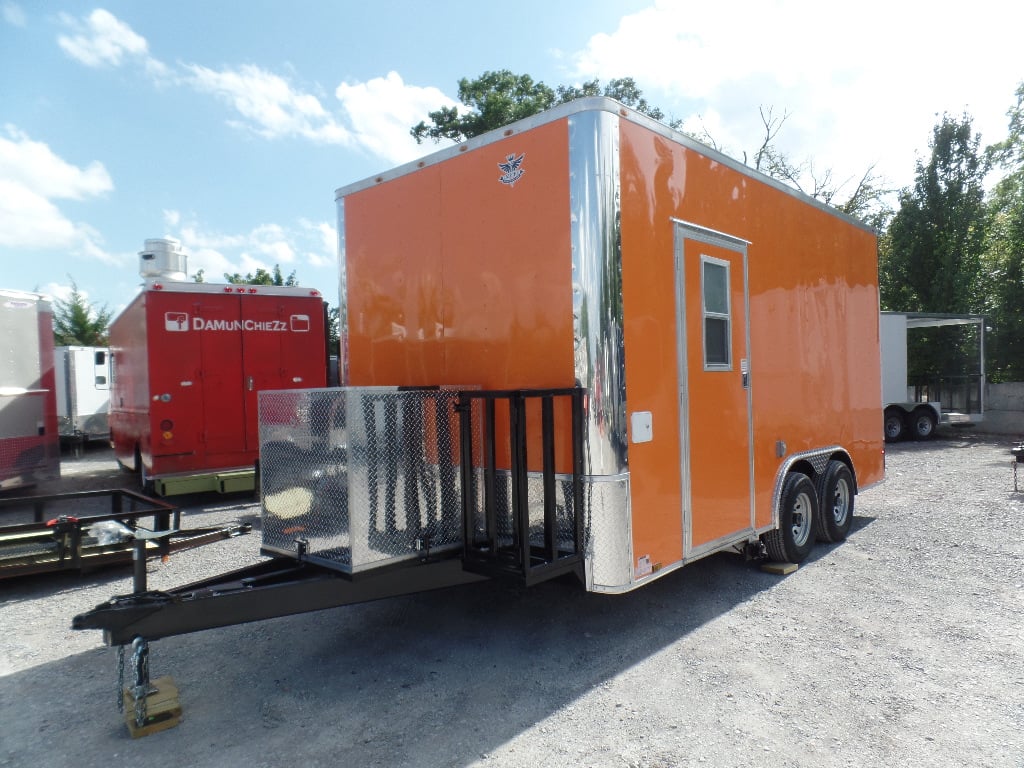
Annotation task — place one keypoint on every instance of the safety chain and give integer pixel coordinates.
(120, 679)
(141, 690)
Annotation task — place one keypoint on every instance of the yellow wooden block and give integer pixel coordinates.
(781, 569)
(163, 710)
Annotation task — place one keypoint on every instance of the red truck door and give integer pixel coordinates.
(175, 377)
(283, 349)
(223, 407)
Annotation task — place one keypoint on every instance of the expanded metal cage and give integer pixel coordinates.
(361, 477)
(356, 478)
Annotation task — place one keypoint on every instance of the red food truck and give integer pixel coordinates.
(190, 359)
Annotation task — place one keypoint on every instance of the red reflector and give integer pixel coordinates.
(166, 425)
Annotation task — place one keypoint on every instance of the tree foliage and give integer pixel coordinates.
(932, 258)
(1004, 254)
(77, 323)
(262, 277)
(496, 99)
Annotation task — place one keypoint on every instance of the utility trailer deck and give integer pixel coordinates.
(69, 533)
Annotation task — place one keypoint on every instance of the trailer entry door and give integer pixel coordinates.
(714, 387)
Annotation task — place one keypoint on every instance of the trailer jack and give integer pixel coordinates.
(148, 706)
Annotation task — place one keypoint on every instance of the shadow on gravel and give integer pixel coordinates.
(435, 679)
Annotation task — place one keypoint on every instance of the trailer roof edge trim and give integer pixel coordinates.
(591, 104)
(158, 285)
(13, 293)
(936, 319)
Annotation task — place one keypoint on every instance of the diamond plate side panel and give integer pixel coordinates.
(608, 533)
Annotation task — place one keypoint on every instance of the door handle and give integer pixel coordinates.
(249, 383)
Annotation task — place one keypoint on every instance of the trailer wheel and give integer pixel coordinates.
(922, 423)
(835, 502)
(895, 426)
(791, 542)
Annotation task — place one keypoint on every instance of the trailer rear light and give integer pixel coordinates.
(167, 429)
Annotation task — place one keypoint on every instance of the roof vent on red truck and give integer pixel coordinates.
(164, 258)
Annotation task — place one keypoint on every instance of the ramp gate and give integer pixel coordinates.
(500, 537)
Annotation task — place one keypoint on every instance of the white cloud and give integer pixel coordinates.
(101, 40)
(34, 165)
(60, 291)
(382, 110)
(374, 116)
(31, 177)
(858, 90)
(30, 220)
(273, 107)
(263, 247)
(14, 14)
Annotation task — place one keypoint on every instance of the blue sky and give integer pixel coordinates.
(228, 126)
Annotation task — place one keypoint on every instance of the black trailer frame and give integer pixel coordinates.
(60, 541)
(288, 585)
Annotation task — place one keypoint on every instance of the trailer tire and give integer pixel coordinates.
(835, 502)
(895, 425)
(923, 423)
(792, 541)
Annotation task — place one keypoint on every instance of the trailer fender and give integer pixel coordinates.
(814, 464)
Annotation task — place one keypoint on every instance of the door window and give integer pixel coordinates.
(717, 320)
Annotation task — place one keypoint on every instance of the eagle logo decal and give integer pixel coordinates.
(511, 169)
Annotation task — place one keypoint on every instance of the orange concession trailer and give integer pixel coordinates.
(723, 326)
(583, 343)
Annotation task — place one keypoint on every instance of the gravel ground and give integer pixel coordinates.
(902, 646)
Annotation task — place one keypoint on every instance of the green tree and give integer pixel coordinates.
(936, 238)
(498, 98)
(1004, 254)
(77, 323)
(930, 258)
(260, 277)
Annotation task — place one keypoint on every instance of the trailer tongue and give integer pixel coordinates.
(400, 497)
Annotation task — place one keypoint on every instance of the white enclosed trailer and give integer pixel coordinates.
(29, 443)
(915, 410)
(83, 393)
